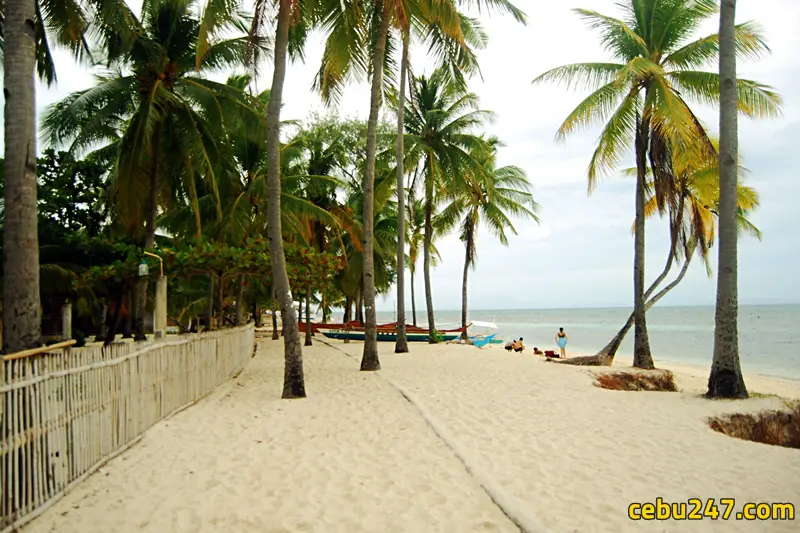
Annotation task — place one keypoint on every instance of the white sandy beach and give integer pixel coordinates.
(356, 456)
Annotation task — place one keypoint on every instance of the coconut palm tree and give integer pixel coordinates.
(491, 197)
(160, 114)
(725, 379)
(692, 222)
(439, 118)
(642, 99)
(21, 300)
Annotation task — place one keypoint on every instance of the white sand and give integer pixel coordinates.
(577, 455)
(357, 457)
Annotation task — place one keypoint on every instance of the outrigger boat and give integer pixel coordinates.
(386, 332)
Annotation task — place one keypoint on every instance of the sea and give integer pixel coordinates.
(769, 335)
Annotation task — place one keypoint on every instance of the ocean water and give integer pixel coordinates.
(769, 336)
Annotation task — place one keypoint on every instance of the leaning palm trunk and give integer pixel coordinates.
(22, 328)
(426, 249)
(641, 344)
(149, 243)
(401, 345)
(725, 379)
(369, 360)
(605, 357)
(293, 381)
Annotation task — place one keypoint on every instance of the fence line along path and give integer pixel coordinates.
(65, 411)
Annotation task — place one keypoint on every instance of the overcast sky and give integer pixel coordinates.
(581, 254)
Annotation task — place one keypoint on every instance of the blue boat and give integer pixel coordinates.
(482, 340)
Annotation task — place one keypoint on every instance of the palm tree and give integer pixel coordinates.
(158, 112)
(643, 100)
(21, 300)
(490, 197)
(416, 236)
(692, 213)
(439, 118)
(289, 11)
(725, 379)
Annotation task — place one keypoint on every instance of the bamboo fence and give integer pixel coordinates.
(66, 411)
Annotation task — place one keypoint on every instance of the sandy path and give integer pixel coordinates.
(577, 455)
(353, 457)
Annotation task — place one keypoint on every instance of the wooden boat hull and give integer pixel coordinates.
(384, 335)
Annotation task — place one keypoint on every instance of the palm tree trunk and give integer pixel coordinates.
(239, 299)
(149, 242)
(300, 309)
(102, 330)
(221, 300)
(426, 249)
(401, 345)
(605, 357)
(275, 334)
(22, 313)
(641, 344)
(413, 300)
(210, 302)
(369, 359)
(130, 310)
(464, 294)
(111, 333)
(725, 379)
(293, 380)
(308, 318)
(347, 304)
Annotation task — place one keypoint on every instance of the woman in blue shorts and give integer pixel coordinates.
(561, 340)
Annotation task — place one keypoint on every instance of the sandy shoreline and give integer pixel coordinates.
(357, 456)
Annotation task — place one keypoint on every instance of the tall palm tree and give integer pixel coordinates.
(692, 225)
(416, 236)
(491, 198)
(725, 379)
(439, 118)
(642, 98)
(21, 305)
(289, 12)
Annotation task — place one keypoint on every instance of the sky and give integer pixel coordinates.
(581, 254)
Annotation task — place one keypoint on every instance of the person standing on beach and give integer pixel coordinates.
(561, 340)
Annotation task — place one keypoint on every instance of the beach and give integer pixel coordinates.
(448, 438)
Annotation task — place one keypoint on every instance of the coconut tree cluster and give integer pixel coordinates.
(643, 100)
(188, 161)
(245, 210)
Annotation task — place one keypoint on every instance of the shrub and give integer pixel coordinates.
(654, 380)
(777, 428)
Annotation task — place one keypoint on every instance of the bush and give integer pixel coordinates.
(653, 380)
(777, 428)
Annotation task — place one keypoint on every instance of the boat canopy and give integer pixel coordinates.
(479, 324)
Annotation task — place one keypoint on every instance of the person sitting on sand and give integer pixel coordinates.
(510, 345)
(537, 351)
(518, 346)
(561, 340)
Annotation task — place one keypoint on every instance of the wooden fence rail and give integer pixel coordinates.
(66, 411)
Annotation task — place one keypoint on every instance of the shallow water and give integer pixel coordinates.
(769, 336)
